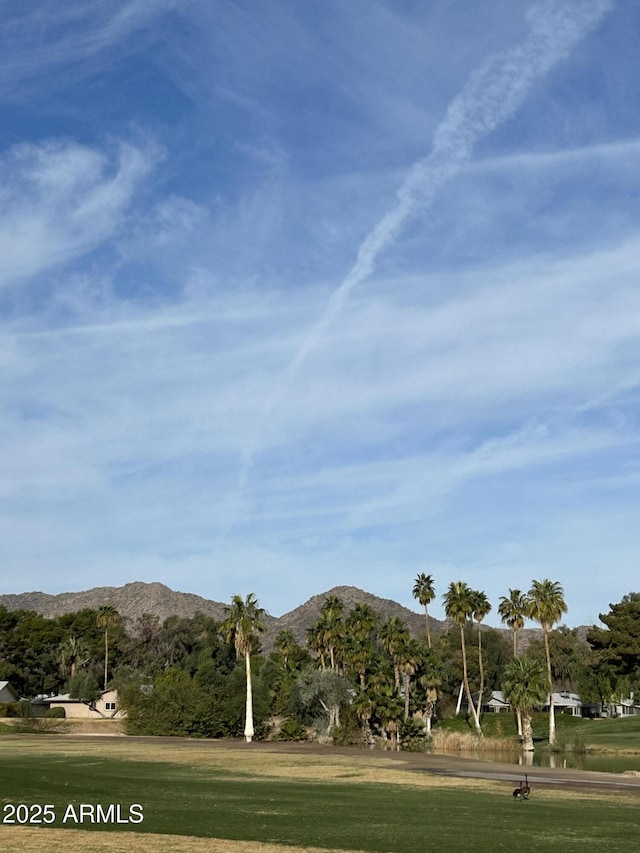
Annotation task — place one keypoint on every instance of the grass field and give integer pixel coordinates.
(233, 798)
(620, 735)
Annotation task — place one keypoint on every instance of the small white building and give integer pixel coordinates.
(495, 702)
(566, 703)
(624, 708)
(563, 702)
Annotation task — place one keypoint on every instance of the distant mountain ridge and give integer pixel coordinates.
(134, 599)
(302, 617)
(130, 600)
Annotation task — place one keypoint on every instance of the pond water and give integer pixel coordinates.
(569, 760)
(601, 763)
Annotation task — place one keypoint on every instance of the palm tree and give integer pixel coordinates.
(429, 680)
(546, 604)
(73, 654)
(389, 712)
(108, 617)
(364, 705)
(331, 616)
(242, 625)
(287, 645)
(393, 636)
(458, 605)
(361, 621)
(315, 641)
(481, 607)
(424, 591)
(525, 686)
(410, 660)
(359, 650)
(512, 610)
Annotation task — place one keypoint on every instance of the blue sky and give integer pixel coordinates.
(303, 294)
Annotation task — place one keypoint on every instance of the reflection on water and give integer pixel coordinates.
(569, 760)
(601, 763)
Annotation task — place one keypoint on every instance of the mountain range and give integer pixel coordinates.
(134, 599)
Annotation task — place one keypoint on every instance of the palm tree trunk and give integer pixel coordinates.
(527, 732)
(248, 726)
(519, 722)
(426, 619)
(552, 716)
(481, 664)
(406, 696)
(465, 678)
(106, 655)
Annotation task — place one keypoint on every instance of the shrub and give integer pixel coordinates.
(55, 714)
(25, 709)
(413, 735)
(291, 729)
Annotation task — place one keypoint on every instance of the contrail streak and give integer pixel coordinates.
(492, 94)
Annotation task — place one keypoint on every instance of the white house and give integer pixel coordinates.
(494, 702)
(563, 702)
(566, 703)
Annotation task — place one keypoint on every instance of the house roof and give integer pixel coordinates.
(65, 697)
(4, 685)
(497, 698)
(567, 699)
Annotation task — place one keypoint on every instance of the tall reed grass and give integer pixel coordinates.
(443, 740)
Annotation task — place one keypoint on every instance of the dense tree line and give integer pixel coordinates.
(356, 679)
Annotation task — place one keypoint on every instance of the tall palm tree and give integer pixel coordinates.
(108, 617)
(481, 607)
(410, 660)
(513, 610)
(424, 591)
(393, 636)
(359, 649)
(546, 604)
(242, 625)
(430, 678)
(458, 605)
(331, 616)
(525, 686)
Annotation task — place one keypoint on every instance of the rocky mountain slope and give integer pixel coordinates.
(134, 599)
(302, 617)
(130, 600)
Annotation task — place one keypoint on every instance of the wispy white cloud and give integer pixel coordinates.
(493, 93)
(38, 40)
(61, 200)
(175, 315)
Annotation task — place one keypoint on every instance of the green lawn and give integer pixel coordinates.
(619, 734)
(199, 800)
